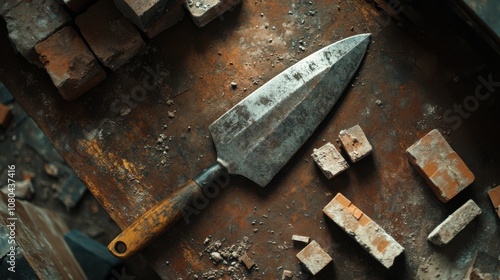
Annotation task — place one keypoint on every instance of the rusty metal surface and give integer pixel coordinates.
(110, 136)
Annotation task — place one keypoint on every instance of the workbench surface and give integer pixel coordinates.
(418, 66)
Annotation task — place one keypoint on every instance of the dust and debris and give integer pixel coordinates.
(226, 258)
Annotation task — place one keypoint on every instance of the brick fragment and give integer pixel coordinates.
(300, 238)
(314, 257)
(435, 160)
(206, 11)
(111, 36)
(287, 274)
(495, 199)
(69, 63)
(151, 16)
(485, 267)
(455, 223)
(329, 160)
(5, 115)
(76, 5)
(31, 22)
(355, 143)
(247, 261)
(363, 229)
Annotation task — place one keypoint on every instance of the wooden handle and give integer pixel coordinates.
(160, 218)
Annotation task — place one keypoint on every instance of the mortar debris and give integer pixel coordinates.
(226, 258)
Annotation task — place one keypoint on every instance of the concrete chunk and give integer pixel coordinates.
(151, 16)
(355, 143)
(204, 12)
(494, 195)
(363, 229)
(287, 274)
(300, 238)
(329, 160)
(314, 257)
(442, 168)
(5, 115)
(455, 223)
(111, 36)
(72, 67)
(31, 22)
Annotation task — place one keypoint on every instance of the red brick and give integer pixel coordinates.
(363, 229)
(314, 257)
(355, 143)
(31, 22)
(442, 168)
(151, 16)
(495, 198)
(206, 11)
(70, 64)
(111, 36)
(329, 160)
(5, 115)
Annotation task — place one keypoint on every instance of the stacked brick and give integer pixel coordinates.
(108, 27)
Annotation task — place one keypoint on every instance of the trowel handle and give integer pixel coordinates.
(188, 200)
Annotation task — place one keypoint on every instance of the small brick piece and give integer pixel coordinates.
(314, 257)
(363, 229)
(455, 223)
(5, 115)
(355, 143)
(151, 16)
(329, 160)
(111, 36)
(442, 168)
(300, 238)
(247, 261)
(206, 11)
(287, 274)
(70, 64)
(485, 267)
(495, 199)
(31, 22)
(76, 5)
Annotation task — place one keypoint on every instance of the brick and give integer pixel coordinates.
(7, 5)
(77, 5)
(455, 223)
(151, 16)
(364, 230)
(287, 274)
(314, 257)
(5, 115)
(485, 267)
(204, 12)
(72, 67)
(247, 261)
(444, 171)
(495, 199)
(355, 143)
(111, 36)
(31, 22)
(329, 160)
(300, 238)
